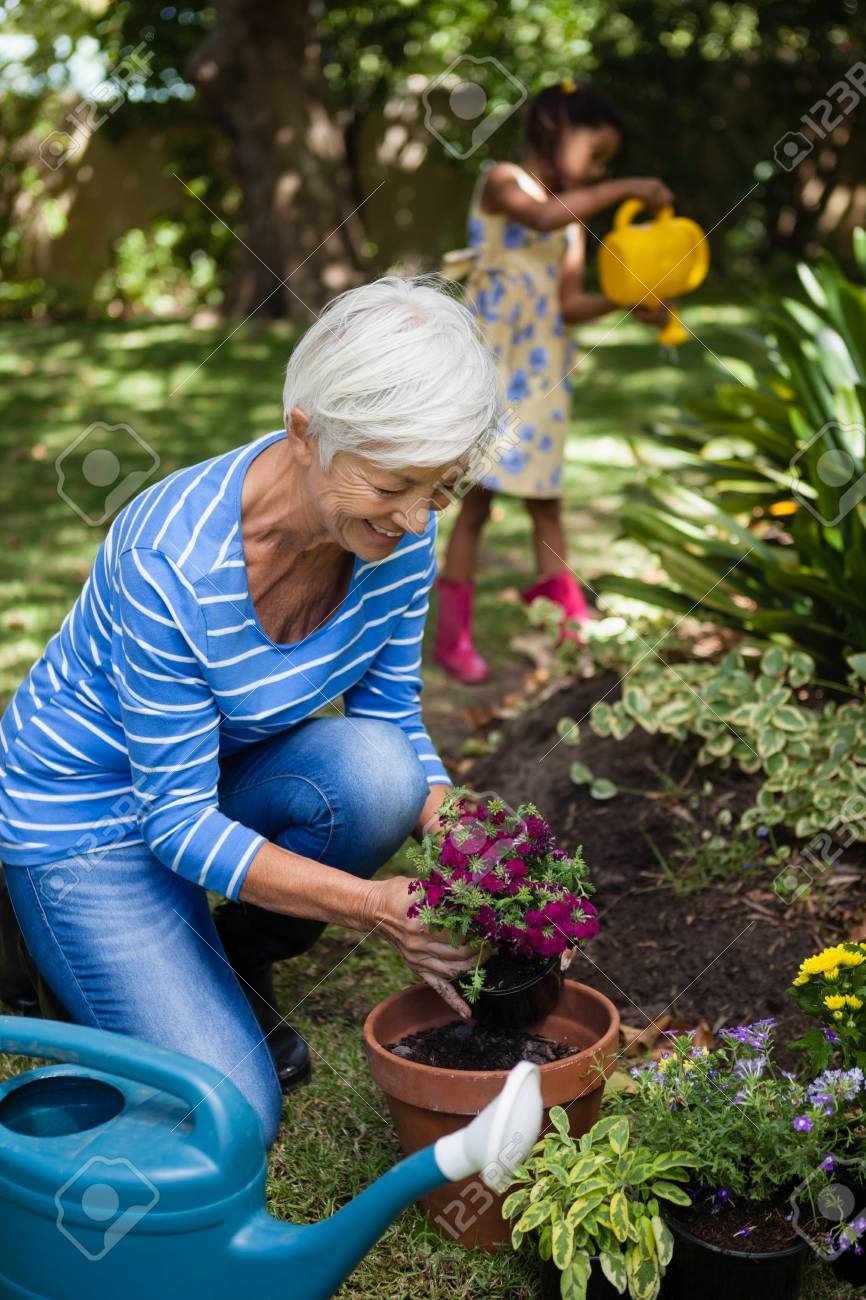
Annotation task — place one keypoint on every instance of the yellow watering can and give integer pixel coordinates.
(651, 263)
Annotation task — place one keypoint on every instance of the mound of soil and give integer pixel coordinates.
(463, 1046)
(718, 955)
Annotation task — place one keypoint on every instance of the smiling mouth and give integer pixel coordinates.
(382, 532)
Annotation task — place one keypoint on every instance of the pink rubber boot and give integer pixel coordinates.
(454, 648)
(564, 589)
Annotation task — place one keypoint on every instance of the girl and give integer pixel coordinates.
(527, 240)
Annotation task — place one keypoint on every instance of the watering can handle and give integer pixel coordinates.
(212, 1105)
(627, 211)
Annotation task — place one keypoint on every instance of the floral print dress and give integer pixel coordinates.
(514, 288)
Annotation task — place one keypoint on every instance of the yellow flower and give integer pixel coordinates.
(854, 1002)
(801, 979)
(819, 963)
(847, 958)
(832, 974)
(834, 1002)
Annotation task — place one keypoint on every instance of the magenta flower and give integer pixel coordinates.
(500, 878)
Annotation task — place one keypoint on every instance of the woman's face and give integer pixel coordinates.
(368, 509)
(585, 154)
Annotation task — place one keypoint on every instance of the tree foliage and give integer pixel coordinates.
(707, 90)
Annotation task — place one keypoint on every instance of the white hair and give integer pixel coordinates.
(396, 370)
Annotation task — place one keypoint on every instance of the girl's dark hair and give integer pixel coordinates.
(575, 103)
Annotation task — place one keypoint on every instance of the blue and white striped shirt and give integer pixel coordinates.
(161, 668)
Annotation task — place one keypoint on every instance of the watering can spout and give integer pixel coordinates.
(313, 1261)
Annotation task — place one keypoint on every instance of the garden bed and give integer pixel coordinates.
(717, 954)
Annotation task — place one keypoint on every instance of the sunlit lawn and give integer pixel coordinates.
(187, 398)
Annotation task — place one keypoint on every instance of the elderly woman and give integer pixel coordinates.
(164, 745)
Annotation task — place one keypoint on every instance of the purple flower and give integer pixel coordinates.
(828, 1164)
(756, 1036)
(762, 832)
(802, 1124)
(834, 1086)
(750, 1067)
(830, 1035)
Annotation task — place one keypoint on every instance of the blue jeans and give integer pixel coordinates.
(127, 945)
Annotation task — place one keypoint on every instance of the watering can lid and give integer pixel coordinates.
(140, 1127)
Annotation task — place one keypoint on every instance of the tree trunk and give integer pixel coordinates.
(259, 70)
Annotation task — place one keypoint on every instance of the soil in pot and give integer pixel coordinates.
(747, 1251)
(517, 992)
(462, 1045)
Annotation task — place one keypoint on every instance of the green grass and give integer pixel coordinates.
(186, 404)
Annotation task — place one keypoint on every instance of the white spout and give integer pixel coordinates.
(496, 1141)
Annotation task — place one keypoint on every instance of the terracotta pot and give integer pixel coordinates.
(428, 1102)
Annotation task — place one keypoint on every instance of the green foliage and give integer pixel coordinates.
(705, 90)
(152, 274)
(733, 1112)
(763, 525)
(599, 1196)
(813, 760)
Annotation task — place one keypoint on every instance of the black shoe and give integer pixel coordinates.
(289, 1050)
(26, 1002)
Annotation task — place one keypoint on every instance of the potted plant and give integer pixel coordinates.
(498, 877)
(830, 986)
(593, 1207)
(757, 1137)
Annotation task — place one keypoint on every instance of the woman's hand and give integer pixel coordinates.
(429, 955)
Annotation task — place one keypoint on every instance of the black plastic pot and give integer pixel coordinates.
(516, 1006)
(711, 1273)
(851, 1268)
(599, 1288)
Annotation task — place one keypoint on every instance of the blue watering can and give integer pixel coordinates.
(135, 1172)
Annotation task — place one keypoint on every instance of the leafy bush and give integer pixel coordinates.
(155, 272)
(762, 526)
(813, 759)
(599, 1196)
